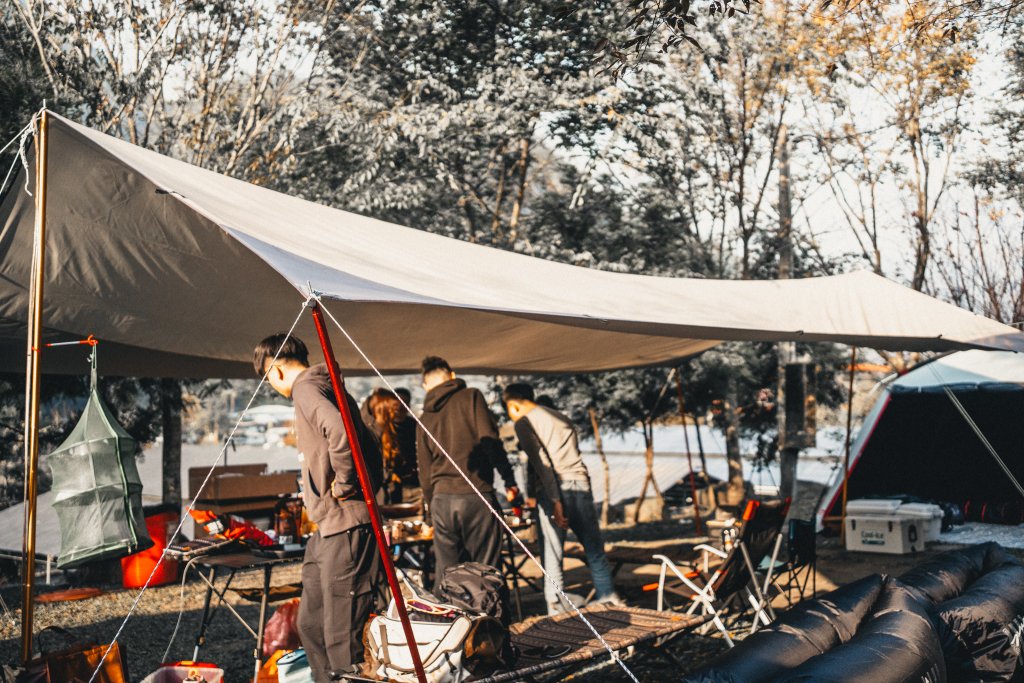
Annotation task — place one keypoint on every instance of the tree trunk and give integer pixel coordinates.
(736, 490)
(700, 446)
(170, 394)
(604, 466)
(788, 453)
(649, 475)
(517, 206)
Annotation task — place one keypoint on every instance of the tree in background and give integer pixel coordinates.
(217, 84)
(891, 108)
(983, 268)
(490, 123)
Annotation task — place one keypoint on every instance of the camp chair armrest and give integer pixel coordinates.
(704, 547)
(702, 594)
(705, 550)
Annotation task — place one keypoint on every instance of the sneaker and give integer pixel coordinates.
(612, 599)
(560, 607)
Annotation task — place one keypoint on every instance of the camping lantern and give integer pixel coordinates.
(97, 489)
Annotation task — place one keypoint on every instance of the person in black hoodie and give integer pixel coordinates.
(459, 419)
(341, 569)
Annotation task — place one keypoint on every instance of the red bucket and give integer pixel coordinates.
(161, 522)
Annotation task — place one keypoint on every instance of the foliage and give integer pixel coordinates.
(135, 403)
(492, 122)
(656, 27)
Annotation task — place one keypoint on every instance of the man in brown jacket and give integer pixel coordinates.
(341, 569)
(458, 417)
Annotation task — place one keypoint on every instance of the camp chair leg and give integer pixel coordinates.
(770, 574)
(717, 620)
(661, 588)
(706, 593)
(762, 604)
(760, 615)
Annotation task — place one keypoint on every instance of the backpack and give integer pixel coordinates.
(440, 642)
(478, 589)
(454, 643)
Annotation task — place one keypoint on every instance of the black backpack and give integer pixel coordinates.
(478, 589)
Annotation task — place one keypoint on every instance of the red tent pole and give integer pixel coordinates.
(337, 383)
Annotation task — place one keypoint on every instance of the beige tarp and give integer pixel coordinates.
(180, 271)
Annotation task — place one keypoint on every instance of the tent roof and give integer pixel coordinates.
(972, 367)
(180, 271)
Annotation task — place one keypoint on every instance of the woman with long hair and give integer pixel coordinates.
(391, 425)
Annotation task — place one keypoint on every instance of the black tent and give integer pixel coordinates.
(915, 440)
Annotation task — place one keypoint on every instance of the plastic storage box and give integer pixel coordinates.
(294, 668)
(179, 672)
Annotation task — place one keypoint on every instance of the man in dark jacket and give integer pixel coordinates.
(341, 568)
(459, 419)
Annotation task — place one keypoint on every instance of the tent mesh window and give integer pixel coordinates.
(97, 489)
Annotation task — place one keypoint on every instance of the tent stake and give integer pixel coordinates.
(849, 429)
(337, 383)
(35, 299)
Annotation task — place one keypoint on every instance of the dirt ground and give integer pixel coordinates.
(150, 630)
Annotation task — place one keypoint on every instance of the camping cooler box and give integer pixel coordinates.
(929, 516)
(884, 534)
(875, 526)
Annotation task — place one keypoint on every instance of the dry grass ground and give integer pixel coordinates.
(149, 631)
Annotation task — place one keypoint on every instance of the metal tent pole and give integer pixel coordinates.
(364, 482)
(32, 388)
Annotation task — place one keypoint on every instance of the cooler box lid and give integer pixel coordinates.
(871, 506)
(920, 510)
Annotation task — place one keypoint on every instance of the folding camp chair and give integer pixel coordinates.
(801, 567)
(736, 579)
(622, 555)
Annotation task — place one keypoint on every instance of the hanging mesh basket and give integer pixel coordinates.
(97, 489)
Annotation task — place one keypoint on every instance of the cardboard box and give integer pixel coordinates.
(242, 483)
(891, 534)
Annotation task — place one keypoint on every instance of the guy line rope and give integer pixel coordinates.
(977, 430)
(198, 493)
(315, 296)
(501, 520)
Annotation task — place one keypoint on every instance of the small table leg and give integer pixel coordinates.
(263, 619)
(201, 638)
(514, 571)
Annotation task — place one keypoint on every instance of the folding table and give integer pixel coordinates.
(230, 564)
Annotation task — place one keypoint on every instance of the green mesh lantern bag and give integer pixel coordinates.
(97, 489)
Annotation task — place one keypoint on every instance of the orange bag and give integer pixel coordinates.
(75, 662)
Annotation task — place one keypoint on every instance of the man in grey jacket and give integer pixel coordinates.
(564, 498)
(341, 569)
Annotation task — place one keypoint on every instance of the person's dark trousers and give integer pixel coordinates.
(464, 531)
(339, 574)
